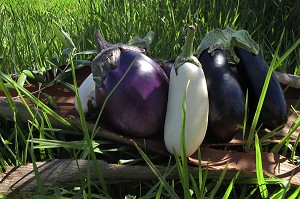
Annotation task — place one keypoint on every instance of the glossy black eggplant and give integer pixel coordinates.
(226, 98)
(253, 70)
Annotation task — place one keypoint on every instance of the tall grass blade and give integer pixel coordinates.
(295, 147)
(68, 38)
(158, 185)
(195, 187)
(231, 186)
(259, 170)
(34, 99)
(161, 178)
(63, 36)
(276, 61)
(184, 165)
(18, 127)
(296, 194)
(278, 195)
(218, 184)
(35, 168)
(261, 99)
(87, 137)
(246, 114)
(110, 93)
(250, 195)
(293, 128)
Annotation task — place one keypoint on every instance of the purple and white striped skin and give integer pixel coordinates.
(137, 106)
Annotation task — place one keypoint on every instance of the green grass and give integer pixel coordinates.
(40, 35)
(32, 23)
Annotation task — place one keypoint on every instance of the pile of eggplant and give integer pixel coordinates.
(229, 81)
(202, 94)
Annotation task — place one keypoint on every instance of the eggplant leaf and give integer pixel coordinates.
(21, 80)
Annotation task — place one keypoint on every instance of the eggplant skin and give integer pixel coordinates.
(137, 107)
(167, 67)
(226, 98)
(253, 70)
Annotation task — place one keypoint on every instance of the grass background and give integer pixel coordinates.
(29, 41)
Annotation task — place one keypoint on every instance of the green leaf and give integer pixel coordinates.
(21, 80)
(227, 39)
(67, 85)
(37, 77)
(87, 52)
(82, 62)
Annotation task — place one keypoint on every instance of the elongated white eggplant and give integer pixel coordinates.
(186, 69)
(86, 92)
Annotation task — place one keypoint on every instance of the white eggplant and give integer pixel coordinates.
(186, 69)
(86, 92)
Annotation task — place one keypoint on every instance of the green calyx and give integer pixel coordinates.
(187, 50)
(228, 39)
(143, 42)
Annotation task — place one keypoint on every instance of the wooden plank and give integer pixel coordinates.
(66, 173)
(273, 165)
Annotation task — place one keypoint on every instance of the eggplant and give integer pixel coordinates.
(167, 66)
(87, 96)
(137, 106)
(187, 81)
(226, 97)
(253, 70)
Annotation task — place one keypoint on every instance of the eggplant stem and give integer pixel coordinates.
(100, 42)
(149, 38)
(187, 50)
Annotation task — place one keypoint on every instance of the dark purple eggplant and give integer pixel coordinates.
(137, 106)
(226, 98)
(253, 70)
(167, 66)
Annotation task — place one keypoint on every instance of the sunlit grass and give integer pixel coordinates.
(28, 40)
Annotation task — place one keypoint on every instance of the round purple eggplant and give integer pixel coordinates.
(226, 98)
(253, 70)
(137, 106)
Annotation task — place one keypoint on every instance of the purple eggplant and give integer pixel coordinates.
(226, 98)
(137, 106)
(253, 70)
